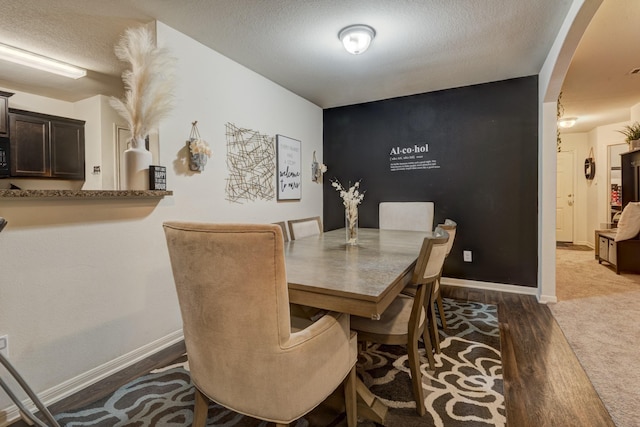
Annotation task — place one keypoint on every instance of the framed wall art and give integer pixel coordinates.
(288, 172)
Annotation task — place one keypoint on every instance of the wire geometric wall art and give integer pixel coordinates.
(251, 160)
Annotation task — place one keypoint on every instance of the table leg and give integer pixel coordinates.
(369, 406)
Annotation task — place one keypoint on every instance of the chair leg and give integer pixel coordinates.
(201, 409)
(416, 376)
(428, 348)
(433, 328)
(350, 398)
(441, 311)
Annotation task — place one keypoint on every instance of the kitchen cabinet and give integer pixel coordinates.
(45, 146)
(4, 114)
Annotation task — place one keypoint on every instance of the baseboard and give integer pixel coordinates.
(82, 381)
(490, 286)
(589, 244)
(547, 299)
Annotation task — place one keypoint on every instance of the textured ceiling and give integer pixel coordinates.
(421, 45)
(598, 88)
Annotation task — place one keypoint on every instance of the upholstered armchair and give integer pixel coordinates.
(243, 351)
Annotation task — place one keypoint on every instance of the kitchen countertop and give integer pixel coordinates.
(85, 194)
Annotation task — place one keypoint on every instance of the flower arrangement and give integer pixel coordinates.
(351, 198)
(317, 169)
(199, 146)
(148, 84)
(199, 150)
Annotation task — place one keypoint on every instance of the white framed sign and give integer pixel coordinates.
(289, 173)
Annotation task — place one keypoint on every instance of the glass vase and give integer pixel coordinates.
(351, 225)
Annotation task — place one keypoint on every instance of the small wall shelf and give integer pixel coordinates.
(84, 194)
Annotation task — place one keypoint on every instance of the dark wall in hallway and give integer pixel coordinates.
(471, 150)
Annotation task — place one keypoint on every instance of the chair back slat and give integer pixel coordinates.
(299, 228)
(412, 216)
(431, 258)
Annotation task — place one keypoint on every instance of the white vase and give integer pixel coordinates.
(136, 166)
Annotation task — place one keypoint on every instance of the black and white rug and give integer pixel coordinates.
(466, 388)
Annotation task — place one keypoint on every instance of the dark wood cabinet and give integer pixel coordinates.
(46, 146)
(630, 164)
(4, 114)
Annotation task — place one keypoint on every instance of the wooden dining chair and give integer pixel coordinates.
(299, 228)
(436, 299)
(413, 216)
(405, 320)
(450, 227)
(245, 352)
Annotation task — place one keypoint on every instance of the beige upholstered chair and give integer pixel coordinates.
(405, 320)
(415, 216)
(283, 227)
(299, 228)
(243, 351)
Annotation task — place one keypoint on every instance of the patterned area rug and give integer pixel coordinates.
(466, 388)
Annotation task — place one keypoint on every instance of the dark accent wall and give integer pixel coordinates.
(481, 169)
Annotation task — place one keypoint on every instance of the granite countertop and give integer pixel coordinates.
(85, 194)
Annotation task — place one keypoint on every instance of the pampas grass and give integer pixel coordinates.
(148, 84)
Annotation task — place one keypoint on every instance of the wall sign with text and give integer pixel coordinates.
(411, 157)
(289, 173)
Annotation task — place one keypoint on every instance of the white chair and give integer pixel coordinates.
(299, 228)
(414, 216)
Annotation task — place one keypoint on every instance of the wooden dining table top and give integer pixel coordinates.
(325, 272)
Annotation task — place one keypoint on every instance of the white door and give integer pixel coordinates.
(564, 197)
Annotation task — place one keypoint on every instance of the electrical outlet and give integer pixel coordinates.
(466, 256)
(4, 346)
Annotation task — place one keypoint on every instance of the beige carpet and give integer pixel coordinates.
(599, 313)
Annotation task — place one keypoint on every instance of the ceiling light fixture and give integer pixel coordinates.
(567, 122)
(23, 57)
(356, 38)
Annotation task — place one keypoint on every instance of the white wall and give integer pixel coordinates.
(593, 197)
(550, 81)
(89, 110)
(85, 282)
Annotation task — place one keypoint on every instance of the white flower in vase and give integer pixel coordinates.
(351, 198)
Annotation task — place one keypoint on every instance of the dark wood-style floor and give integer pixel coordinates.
(544, 384)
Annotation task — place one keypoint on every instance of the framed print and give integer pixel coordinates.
(288, 168)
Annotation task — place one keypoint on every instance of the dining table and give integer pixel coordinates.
(362, 279)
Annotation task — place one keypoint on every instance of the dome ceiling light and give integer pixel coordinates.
(356, 38)
(567, 122)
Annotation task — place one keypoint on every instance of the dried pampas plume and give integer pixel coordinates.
(148, 84)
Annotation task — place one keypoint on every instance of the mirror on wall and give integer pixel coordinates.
(615, 181)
